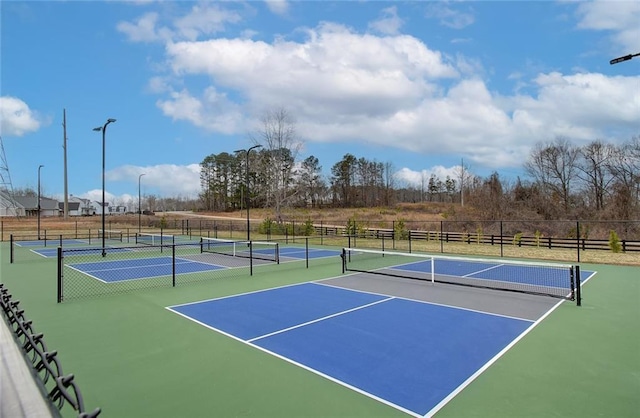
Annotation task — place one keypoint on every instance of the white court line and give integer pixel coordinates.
(495, 358)
(483, 270)
(320, 319)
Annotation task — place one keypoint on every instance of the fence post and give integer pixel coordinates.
(60, 272)
(441, 237)
(578, 239)
(11, 248)
(501, 245)
(578, 289)
(393, 234)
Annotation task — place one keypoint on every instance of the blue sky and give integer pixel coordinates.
(420, 85)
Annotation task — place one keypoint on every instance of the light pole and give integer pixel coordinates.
(103, 128)
(39, 167)
(624, 58)
(246, 186)
(139, 206)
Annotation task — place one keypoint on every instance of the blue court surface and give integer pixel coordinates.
(408, 354)
(300, 252)
(53, 252)
(140, 268)
(520, 274)
(50, 242)
(480, 270)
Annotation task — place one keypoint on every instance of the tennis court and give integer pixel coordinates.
(398, 351)
(53, 252)
(141, 268)
(50, 242)
(299, 253)
(373, 332)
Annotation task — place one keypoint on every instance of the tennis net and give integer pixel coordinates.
(548, 279)
(154, 239)
(260, 250)
(110, 234)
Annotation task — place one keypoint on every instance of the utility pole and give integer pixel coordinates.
(64, 147)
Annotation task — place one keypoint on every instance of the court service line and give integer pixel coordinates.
(444, 305)
(357, 308)
(483, 270)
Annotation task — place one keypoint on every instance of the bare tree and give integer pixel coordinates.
(310, 181)
(592, 170)
(278, 136)
(554, 166)
(625, 168)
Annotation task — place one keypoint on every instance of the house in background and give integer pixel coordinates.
(80, 207)
(109, 209)
(48, 207)
(8, 206)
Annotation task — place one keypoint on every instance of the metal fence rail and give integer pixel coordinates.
(59, 389)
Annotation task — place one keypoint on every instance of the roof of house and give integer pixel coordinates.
(72, 205)
(31, 202)
(5, 200)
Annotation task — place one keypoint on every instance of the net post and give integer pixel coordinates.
(201, 245)
(344, 260)
(306, 251)
(250, 257)
(578, 286)
(11, 248)
(433, 270)
(59, 278)
(173, 265)
(278, 251)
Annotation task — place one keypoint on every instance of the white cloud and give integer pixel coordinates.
(144, 29)
(279, 7)
(421, 178)
(389, 22)
(16, 119)
(202, 19)
(622, 18)
(334, 71)
(213, 111)
(161, 179)
(448, 16)
(95, 195)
